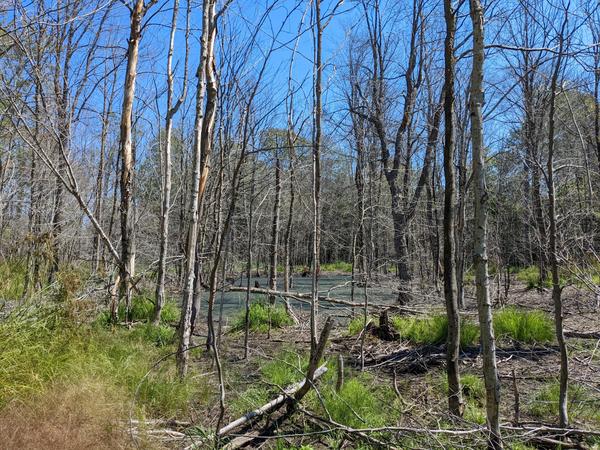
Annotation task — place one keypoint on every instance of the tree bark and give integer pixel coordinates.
(273, 260)
(166, 163)
(127, 154)
(198, 183)
(455, 401)
(484, 306)
(553, 238)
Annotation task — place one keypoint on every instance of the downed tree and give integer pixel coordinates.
(583, 334)
(307, 297)
(288, 392)
(291, 397)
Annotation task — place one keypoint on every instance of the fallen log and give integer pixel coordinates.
(583, 334)
(288, 392)
(308, 297)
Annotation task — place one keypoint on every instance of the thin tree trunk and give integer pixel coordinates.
(166, 160)
(316, 174)
(249, 244)
(198, 183)
(127, 154)
(553, 238)
(488, 346)
(275, 228)
(455, 401)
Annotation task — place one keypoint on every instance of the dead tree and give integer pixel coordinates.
(126, 150)
(166, 158)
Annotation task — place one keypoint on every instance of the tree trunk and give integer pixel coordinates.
(553, 238)
(127, 155)
(455, 402)
(275, 228)
(488, 346)
(166, 163)
(198, 183)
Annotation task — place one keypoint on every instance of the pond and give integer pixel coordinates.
(338, 286)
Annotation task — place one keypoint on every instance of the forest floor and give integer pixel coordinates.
(71, 381)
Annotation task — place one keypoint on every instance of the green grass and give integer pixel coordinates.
(355, 326)
(527, 327)
(285, 369)
(531, 277)
(142, 310)
(473, 390)
(433, 330)
(338, 266)
(39, 348)
(261, 314)
(250, 399)
(355, 397)
(12, 280)
(582, 403)
(362, 401)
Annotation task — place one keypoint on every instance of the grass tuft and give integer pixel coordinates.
(531, 277)
(433, 330)
(261, 314)
(582, 402)
(12, 280)
(39, 347)
(285, 369)
(355, 326)
(527, 327)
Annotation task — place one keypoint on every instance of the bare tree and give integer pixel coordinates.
(166, 156)
(480, 257)
(455, 401)
(126, 150)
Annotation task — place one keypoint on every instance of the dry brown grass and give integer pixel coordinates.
(66, 416)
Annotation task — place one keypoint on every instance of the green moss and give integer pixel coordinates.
(523, 326)
(261, 314)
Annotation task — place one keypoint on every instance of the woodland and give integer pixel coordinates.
(299, 224)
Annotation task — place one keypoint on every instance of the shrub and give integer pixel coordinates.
(523, 326)
(433, 330)
(69, 283)
(261, 314)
